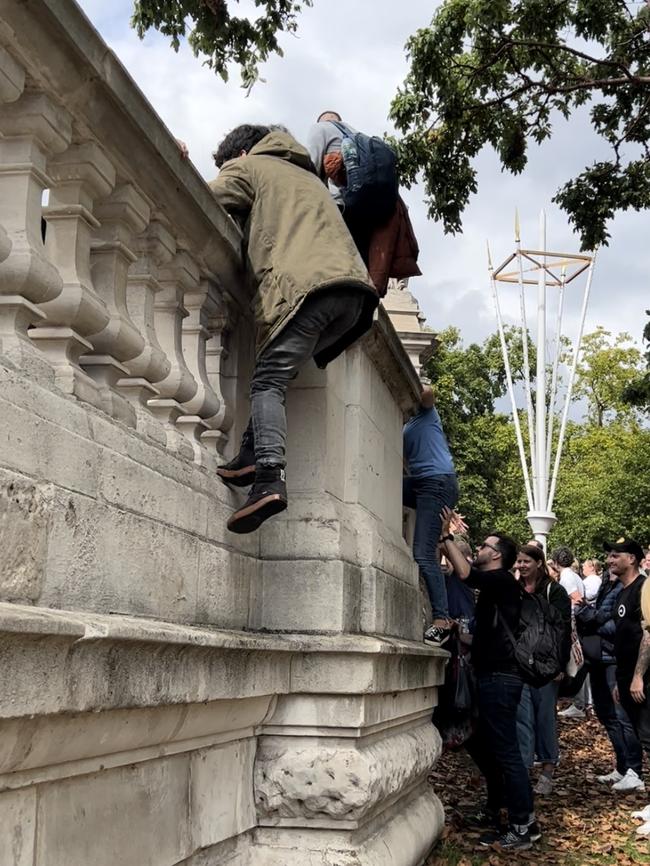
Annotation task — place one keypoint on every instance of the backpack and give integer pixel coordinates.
(538, 647)
(370, 194)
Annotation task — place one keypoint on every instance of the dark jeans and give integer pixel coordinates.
(639, 714)
(428, 496)
(495, 748)
(537, 724)
(614, 719)
(321, 321)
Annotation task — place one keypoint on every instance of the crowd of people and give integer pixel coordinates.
(524, 630)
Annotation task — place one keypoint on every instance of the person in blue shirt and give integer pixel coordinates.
(430, 485)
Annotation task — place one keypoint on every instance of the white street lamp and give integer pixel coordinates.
(547, 270)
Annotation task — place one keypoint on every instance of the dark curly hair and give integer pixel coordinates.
(563, 556)
(242, 137)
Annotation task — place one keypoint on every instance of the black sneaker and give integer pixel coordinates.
(534, 831)
(483, 819)
(512, 840)
(240, 472)
(437, 635)
(268, 496)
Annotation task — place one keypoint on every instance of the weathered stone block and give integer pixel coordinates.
(42, 449)
(25, 511)
(389, 606)
(226, 581)
(214, 771)
(112, 561)
(17, 827)
(134, 816)
(308, 596)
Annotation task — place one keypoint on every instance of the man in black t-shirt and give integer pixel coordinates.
(496, 747)
(632, 651)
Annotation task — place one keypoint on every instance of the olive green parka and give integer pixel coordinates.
(295, 240)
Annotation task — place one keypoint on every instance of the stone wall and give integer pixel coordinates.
(172, 694)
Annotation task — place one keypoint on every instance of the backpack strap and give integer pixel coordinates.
(342, 128)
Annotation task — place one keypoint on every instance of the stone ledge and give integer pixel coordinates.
(23, 619)
(54, 661)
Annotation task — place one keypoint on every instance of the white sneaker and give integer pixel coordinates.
(610, 778)
(572, 712)
(644, 829)
(629, 782)
(644, 814)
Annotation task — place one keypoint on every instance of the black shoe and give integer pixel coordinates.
(514, 839)
(437, 635)
(534, 831)
(268, 496)
(483, 819)
(240, 472)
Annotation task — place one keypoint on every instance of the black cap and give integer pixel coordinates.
(626, 545)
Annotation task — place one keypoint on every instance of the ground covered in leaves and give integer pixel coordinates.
(583, 822)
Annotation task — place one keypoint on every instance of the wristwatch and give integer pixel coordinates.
(448, 537)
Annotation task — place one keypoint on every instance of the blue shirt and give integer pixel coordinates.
(425, 447)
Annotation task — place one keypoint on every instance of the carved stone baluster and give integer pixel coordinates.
(178, 386)
(204, 405)
(154, 248)
(31, 129)
(79, 175)
(124, 214)
(220, 316)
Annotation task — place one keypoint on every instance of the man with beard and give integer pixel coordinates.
(495, 749)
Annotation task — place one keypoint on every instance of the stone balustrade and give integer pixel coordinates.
(170, 694)
(116, 296)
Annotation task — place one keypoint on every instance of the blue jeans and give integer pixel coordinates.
(496, 750)
(537, 724)
(428, 496)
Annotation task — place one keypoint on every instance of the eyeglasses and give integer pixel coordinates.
(487, 544)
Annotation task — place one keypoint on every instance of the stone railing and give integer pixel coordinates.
(126, 284)
(170, 694)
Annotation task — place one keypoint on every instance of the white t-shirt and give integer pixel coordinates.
(572, 582)
(592, 585)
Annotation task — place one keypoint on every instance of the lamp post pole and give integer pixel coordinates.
(540, 482)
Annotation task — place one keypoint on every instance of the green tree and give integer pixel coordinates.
(499, 73)
(604, 482)
(224, 39)
(603, 487)
(608, 366)
(468, 381)
(637, 392)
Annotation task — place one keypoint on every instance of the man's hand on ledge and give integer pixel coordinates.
(185, 154)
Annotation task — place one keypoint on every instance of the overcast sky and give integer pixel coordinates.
(349, 56)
